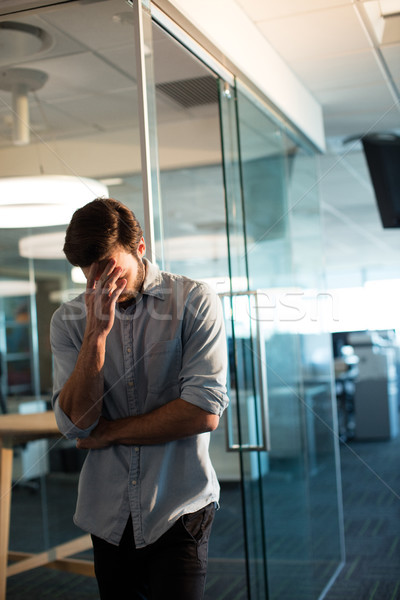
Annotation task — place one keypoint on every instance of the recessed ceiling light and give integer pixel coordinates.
(42, 201)
(43, 246)
(19, 40)
(112, 181)
(78, 276)
(16, 287)
(389, 7)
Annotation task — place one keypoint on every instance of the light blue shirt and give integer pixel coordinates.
(169, 344)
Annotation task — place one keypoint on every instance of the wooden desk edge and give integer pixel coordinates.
(17, 428)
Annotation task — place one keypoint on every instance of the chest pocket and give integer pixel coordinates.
(163, 364)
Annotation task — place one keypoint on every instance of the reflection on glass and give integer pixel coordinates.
(81, 123)
(259, 188)
(233, 189)
(195, 245)
(326, 539)
(283, 237)
(239, 326)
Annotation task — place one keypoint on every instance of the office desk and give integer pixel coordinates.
(17, 429)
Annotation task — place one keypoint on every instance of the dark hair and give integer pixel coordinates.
(97, 229)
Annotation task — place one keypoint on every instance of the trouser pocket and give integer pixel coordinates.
(198, 527)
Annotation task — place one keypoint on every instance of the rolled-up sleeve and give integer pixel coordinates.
(65, 354)
(204, 352)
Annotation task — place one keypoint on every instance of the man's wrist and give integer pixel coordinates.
(110, 433)
(95, 338)
(119, 431)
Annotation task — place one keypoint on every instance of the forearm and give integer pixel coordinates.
(82, 395)
(81, 398)
(176, 420)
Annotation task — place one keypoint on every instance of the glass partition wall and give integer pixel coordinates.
(236, 204)
(314, 343)
(68, 133)
(290, 468)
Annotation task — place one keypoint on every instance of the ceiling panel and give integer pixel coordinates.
(260, 10)
(79, 75)
(61, 43)
(113, 23)
(340, 125)
(349, 100)
(325, 33)
(74, 117)
(47, 123)
(354, 69)
(122, 59)
(112, 110)
(392, 57)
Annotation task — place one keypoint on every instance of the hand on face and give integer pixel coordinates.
(102, 292)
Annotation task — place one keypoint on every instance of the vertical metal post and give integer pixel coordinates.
(145, 100)
(34, 332)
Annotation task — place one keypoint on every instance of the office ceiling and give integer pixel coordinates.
(349, 58)
(332, 47)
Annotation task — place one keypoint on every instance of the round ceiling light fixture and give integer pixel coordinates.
(45, 200)
(11, 288)
(43, 245)
(21, 40)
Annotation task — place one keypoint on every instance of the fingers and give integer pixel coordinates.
(108, 269)
(120, 286)
(91, 277)
(108, 284)
(95, 273)
(104, 283)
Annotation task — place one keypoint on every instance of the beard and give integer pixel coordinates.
(129, 295)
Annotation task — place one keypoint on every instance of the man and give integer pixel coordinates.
(139, 380)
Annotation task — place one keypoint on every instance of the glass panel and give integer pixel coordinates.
(195, 245)
(78, 118)
(284, 493)
(243, 391)
(283, 235)
(271, 197)
(153, 223)
(316, 365)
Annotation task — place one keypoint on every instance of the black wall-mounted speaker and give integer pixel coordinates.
(382, 151)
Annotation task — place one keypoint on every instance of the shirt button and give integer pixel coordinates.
(128, 350)
(136, 448)
(130, 383)
(134, 482)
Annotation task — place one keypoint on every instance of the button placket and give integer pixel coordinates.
(128, 364)
(134, 471)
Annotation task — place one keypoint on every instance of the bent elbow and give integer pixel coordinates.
(211, 423)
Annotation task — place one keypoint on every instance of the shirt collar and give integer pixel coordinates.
(153, 282)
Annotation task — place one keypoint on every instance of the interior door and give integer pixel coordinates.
(193, 220)
(273, 414)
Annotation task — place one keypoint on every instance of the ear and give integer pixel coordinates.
(141, 248)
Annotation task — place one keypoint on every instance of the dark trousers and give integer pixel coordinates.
(172, 567)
